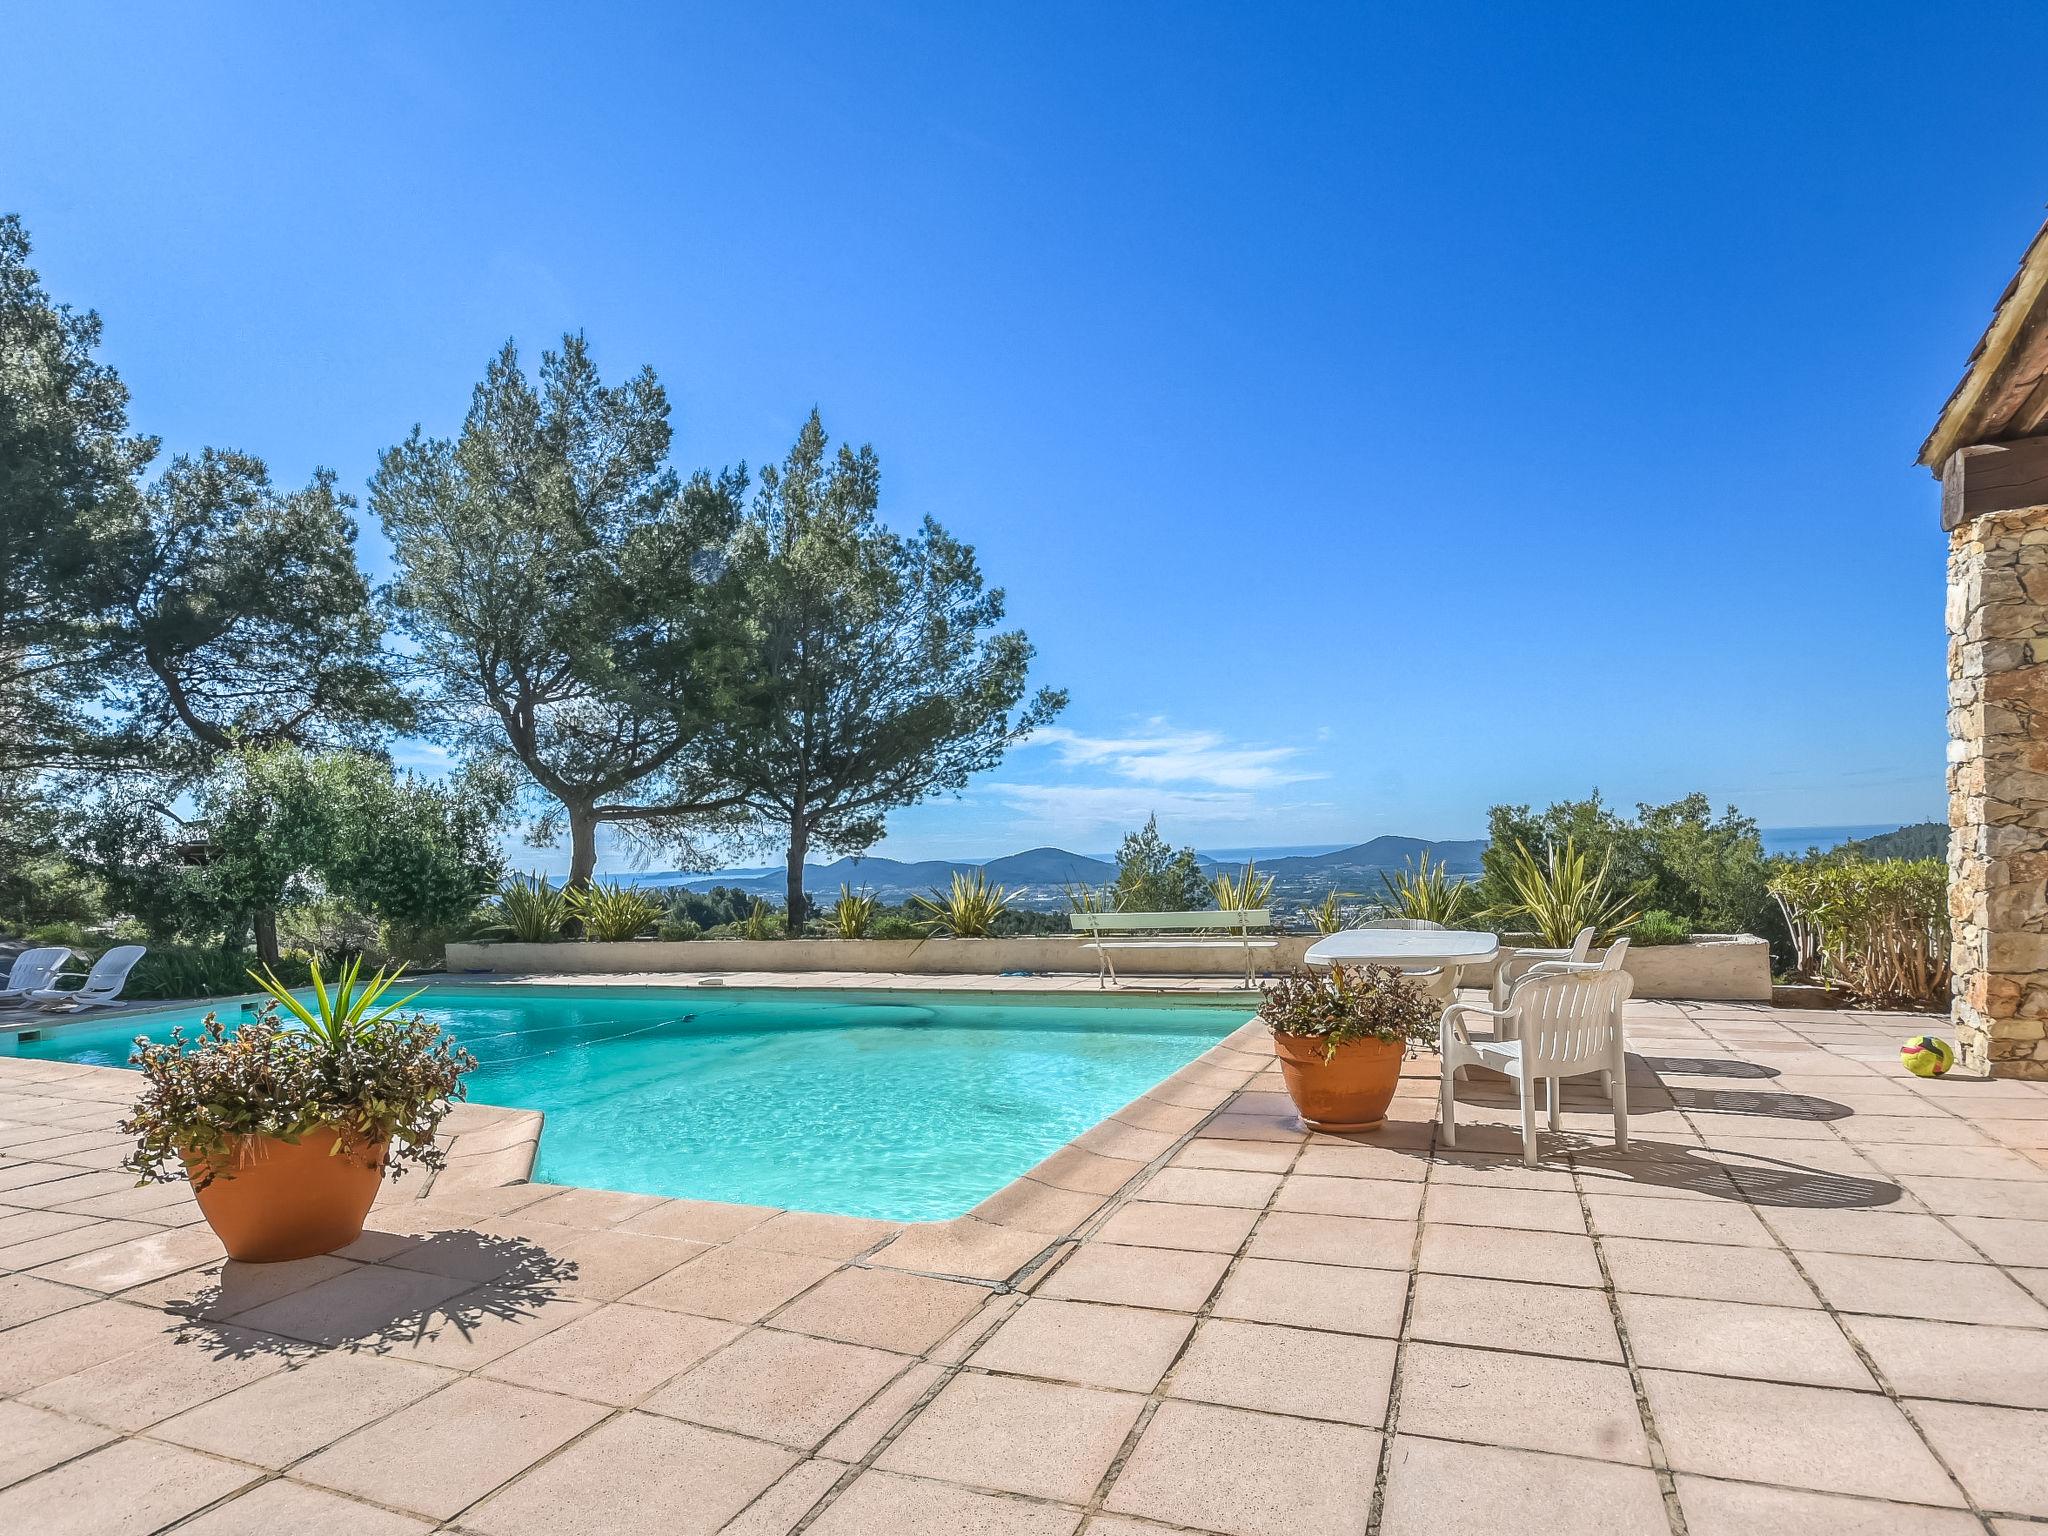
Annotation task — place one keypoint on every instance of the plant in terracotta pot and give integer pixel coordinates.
(287, 1125)
(1341, 1035)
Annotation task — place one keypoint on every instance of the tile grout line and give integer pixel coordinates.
(1375, 1513)
(1863, 1355)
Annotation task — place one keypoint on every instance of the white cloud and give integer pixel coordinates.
(1161, 754)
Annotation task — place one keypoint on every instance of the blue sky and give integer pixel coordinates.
(1373, 412)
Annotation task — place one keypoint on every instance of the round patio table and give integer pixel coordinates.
(1408, 948)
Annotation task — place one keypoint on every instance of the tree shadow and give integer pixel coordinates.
(1769, 1106)
(455, 1282)
(1707, 1066)
(1748, 1177)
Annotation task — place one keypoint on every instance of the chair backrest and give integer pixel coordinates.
(111, 970)
(1617, 953)
(1567, 1020)
(1411, 923)
(34, 967)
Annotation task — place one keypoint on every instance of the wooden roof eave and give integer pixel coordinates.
(2004, 389)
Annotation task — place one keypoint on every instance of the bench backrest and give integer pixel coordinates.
(1144, 922)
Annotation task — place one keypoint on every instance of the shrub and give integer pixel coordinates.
(893, 925)
(1330, 915)
(1876, 928)
(1374, 1002)
(761, 922)
(1427, 893)
(1247, 891)
(329, 931)
(1554, 899)
(678, 933)
(531, 910)
(853, 914)
(172, 971)
(352, 1066)
(612, 913)
(1657, 926)
(968, 909)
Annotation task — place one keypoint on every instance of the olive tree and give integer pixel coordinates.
(877, 675)
(549, 559)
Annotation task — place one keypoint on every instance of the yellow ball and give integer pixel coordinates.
(1926, 1056)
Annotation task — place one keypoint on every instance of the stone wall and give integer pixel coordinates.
(1709, 968)
(1998, 790)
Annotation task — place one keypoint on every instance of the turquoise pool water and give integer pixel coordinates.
(910, 1106)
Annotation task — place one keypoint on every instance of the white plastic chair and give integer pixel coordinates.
(1439, 982)
(1514, 967)
(1564, 1024)
(33, 969)
(102, 984)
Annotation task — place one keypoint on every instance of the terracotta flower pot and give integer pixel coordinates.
(281, 1200)
(1350, 1091)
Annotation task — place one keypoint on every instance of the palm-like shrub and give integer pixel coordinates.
(1556, 896)
(613, 913)
(1093, 898)
(1246, 891)
(760, 921)
(1330, 915)
(1876, 928)
(530, 909)
(1428, 893)
(966, 911)
(853, 914)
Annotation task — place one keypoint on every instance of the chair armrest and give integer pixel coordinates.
(1454, 1017)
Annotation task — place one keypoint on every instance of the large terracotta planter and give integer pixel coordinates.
(1350, 1091)
(280, 1200)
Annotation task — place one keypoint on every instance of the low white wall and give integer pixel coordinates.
(1712, 967)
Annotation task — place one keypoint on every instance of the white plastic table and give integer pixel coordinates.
(1408, 948)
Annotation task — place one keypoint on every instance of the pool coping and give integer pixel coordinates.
(1000, 1241)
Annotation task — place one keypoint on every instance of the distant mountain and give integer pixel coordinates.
(1039, 877)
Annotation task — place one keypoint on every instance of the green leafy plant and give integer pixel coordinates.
(194, 970)
(1330, 915)
(613, 913)
(1555, 897)
(1246, 891)
(531, 910)
(329, 930)
(1093, 898)
(1374, 1002)
(1876, 928)
(853, 914)
(1428, 892)
(968, 910)
(1657, 926)
(680, 932)
(350, 1065)
(761, 922)
(894, 925)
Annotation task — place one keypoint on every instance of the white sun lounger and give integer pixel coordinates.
(33, 969)
(102, 984)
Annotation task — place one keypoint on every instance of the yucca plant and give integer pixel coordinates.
(1248, 891)
(1330, 915)
(613, 913)
(531, 910)
(1561, 894)
(967, 911)
(759, 923)
(854, 913)
(1093, 898)
(1428, 893)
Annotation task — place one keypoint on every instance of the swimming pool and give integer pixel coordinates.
(911, 1106)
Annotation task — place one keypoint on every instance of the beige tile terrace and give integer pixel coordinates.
(1809, 1295)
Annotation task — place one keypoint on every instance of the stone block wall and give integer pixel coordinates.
(1998, 790)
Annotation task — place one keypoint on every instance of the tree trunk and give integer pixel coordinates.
(799, 905)
(266, 938)
(582, 844)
